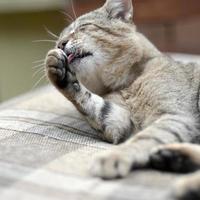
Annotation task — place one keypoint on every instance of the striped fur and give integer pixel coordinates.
(126, 87)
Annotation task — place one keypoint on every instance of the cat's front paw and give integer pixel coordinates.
(58, 71)
(111, 165)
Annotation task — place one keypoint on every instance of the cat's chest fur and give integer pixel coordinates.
(164, 87)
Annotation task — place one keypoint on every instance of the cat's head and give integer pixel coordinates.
(100, 44)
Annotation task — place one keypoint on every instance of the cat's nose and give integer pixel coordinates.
(62, 44)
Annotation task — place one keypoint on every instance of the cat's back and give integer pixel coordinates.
(164, 86)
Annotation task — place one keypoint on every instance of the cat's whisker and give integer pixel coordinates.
(73, 9)
(51, 41)
(51, 33)
(75, 15)
(68, 21)
(38, 82)
(38, 71)
(70, 18)
(40, 65)
(38, 61)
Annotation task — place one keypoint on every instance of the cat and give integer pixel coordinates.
(126, 88)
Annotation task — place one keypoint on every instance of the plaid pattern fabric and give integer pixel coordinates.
(46, 148)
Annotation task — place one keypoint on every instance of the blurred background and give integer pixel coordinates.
(172, 25)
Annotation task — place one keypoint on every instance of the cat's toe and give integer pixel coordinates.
(110, 166)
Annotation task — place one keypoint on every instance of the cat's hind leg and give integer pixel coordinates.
(136, 153)
(180, 158)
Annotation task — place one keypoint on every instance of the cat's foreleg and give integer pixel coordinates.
(137, 152)
(112, 120)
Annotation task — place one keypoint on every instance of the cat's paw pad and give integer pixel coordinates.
(55, 64)
(175, 158)
(167, 159)
(110, 165)
(57, 69)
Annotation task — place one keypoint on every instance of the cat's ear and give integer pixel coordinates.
(122, 9)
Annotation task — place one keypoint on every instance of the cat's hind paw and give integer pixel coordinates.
(174, 158)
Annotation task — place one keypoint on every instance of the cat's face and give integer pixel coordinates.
(98, 41)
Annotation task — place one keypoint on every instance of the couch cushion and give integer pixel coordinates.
(46, 148)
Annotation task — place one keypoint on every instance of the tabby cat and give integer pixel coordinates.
(126, 88)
